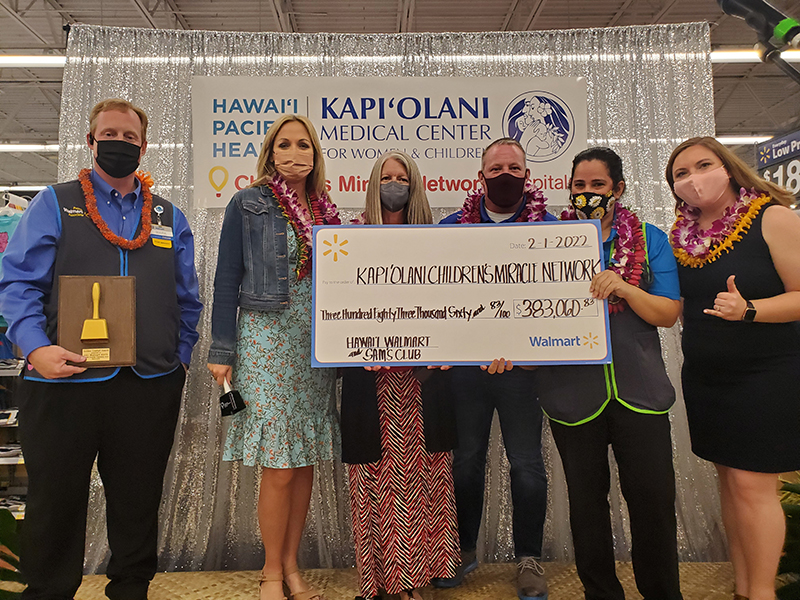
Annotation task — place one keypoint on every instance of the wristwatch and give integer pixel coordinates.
(749, 313)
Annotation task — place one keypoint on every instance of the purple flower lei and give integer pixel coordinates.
(535, 205)
(326, 213)
(300, 216)
(698, 243)
(629, 251)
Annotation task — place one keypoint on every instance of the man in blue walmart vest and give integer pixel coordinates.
(105, 223)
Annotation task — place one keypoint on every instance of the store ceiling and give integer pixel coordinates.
(750, 99)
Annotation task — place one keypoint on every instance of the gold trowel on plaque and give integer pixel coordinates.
(95, 329)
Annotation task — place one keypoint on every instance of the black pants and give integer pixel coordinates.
(643, 451)
(128, 423)
(513, 395)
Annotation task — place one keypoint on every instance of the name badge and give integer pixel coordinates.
(160, 231)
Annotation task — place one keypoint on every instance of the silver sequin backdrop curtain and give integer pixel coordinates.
(649, 88)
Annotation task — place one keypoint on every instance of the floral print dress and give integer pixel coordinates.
(291, 418)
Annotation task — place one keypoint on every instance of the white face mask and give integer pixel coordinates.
(703, 189)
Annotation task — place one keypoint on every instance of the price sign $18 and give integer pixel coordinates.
(786, 175)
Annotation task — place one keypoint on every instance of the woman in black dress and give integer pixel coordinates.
(738, 249)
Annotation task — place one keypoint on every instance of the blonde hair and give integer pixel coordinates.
(120, 105)
(265, 166)
(417, 211)
(742, 176)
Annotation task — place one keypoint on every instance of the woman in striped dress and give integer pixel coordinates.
(400, 464)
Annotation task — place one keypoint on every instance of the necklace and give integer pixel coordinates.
(694, 247)
(91, 207)
(628, 252)
(323, 212)
(534, 206)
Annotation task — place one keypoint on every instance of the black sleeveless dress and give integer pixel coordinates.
(741, 381)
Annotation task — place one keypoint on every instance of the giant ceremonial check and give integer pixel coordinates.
(458, 294)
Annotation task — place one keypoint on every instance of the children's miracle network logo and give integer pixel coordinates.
(218, 178)
(335, 248)
(542, 123)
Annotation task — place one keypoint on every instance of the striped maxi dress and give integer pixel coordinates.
(403, 506)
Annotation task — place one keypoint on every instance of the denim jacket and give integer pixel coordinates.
(252, 267)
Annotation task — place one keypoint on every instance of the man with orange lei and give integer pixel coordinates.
(105, 223)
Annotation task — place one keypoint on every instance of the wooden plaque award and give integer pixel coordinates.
(97, 319)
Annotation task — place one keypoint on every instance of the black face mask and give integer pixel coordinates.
(505, 190)
(592, 206)
(118, 158)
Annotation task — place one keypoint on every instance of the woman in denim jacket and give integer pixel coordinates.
(263, 272)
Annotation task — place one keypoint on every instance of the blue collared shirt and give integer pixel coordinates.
(29, 261)
(485, 218)
(663, 266)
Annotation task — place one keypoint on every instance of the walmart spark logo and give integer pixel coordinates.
(590, 340)
(335, 248)
(575, 340)
(764, 155)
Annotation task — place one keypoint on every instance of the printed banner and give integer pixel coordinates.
(779, 161)
(443, 123)
(458, 294)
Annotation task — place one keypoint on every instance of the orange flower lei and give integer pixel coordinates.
(685, 259)
(147, 208)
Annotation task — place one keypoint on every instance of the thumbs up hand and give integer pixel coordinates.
(728, 305)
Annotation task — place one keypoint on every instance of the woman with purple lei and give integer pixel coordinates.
(625, 404)
(738, 247)
(264, 274)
